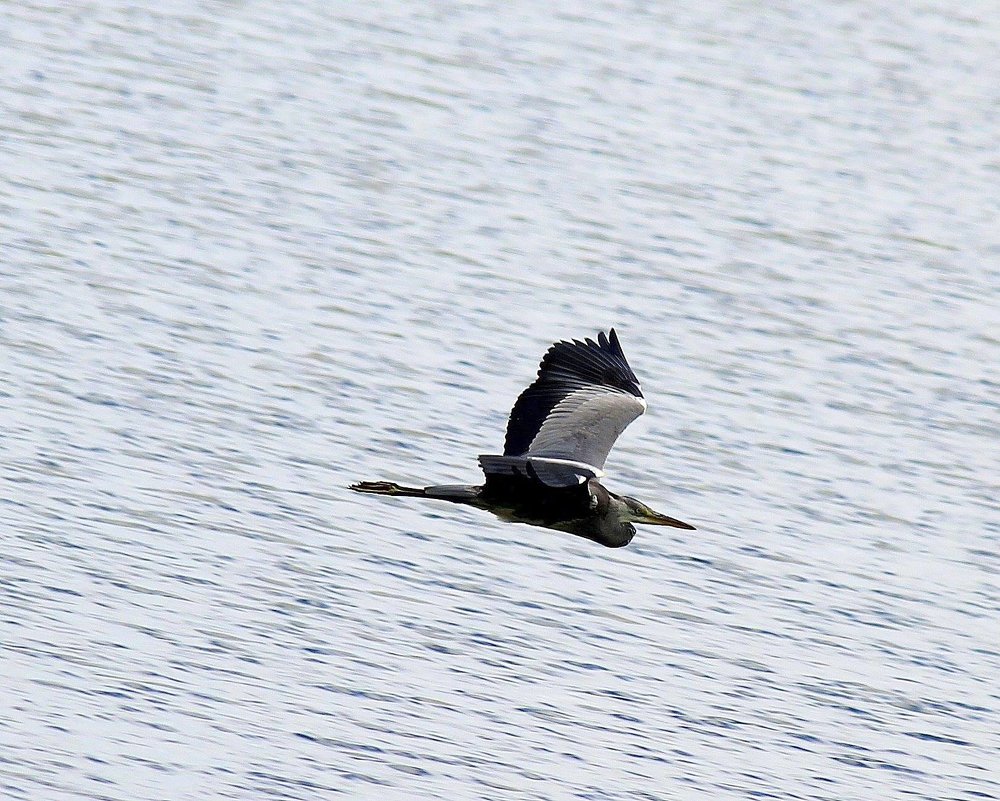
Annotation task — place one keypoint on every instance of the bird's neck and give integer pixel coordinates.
(615, 530)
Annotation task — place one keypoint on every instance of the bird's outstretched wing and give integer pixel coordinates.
(567, 421)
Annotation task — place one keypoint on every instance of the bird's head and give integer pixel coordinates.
(636, 511)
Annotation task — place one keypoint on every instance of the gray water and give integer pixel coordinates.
(253, 252)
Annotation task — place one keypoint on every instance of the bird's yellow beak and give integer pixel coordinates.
(651, 518)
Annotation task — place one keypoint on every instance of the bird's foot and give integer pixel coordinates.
(381, 488)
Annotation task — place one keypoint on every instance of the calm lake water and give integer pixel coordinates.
(253, 252)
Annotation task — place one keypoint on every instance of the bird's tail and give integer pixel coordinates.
(456, 493)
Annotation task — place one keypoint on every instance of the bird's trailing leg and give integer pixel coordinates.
(456, 493)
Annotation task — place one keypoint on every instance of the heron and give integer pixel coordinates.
(560, 432)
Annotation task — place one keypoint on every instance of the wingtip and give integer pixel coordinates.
(616, 344)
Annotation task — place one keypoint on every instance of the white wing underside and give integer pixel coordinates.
(584, 426)
(573, 443)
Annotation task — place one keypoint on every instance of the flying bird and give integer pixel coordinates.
(560, 432)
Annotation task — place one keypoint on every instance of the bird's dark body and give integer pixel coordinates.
(558, 437)
(583, 509)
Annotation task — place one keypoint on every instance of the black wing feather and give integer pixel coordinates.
(566, 367)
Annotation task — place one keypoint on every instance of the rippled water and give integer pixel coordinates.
(254, 252)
